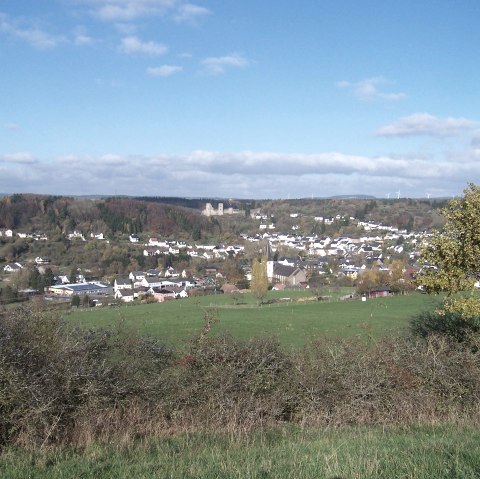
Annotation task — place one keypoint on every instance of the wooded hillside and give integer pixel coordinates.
(55, 214)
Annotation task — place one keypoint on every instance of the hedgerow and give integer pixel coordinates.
(65, 386)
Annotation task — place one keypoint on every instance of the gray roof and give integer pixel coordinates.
(284, 270)
(86, 287)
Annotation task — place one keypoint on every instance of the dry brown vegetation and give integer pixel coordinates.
(65, 386)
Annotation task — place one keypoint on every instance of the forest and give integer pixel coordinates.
(111, 216)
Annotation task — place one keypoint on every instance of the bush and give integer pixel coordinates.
(445, 323)
(235, 382)
(392, 382)
(51, 373)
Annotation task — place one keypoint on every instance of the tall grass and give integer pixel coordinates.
(427, 452)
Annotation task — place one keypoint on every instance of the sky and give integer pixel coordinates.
(239, 98)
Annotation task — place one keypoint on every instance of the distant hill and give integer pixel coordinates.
(352, 197)
(182, 218)
(61, 214)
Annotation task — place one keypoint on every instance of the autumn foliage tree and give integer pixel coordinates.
(259, 282)
(369, 280)
(452, 256)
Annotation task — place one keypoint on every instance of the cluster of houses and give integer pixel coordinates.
(16, 267)
(352, 255)
(152, 283)
(156, 247)
(325, 246)
(80, 236)
(8, 233)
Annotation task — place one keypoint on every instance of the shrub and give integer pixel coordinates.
(451, 324)
(50, 373)
(232, 382)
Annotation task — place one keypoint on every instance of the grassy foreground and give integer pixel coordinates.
(293, 323)
(439, 452)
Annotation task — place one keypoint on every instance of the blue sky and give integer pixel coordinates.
(247, 99)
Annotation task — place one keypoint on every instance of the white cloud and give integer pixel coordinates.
(218, 65)
(240, 174)
(127, 10)
(133, 45)
(368, 89)
(20, 158)
(189, 13)
(426, 124)
(12, 126)
(164, 70)
(34, 36)
(81, 40)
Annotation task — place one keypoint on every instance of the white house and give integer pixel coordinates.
(136, 276)
(40, 260)
(12, 267)
(76, 235)
(151, 282)
(157, 242)
(124, 295)
(180, 292)
(171, 273)
(122, 284)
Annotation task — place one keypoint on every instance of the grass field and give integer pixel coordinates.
(293, 323)
(353, 453)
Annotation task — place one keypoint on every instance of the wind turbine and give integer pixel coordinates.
(388, 195)
(398, 194)
(428, 196)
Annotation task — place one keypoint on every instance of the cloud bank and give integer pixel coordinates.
(429, 125)
(246, 174)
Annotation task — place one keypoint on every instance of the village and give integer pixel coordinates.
(293, 260)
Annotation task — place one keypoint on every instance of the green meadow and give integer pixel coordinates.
(426, 451)
(415, 452)
(294, 319)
